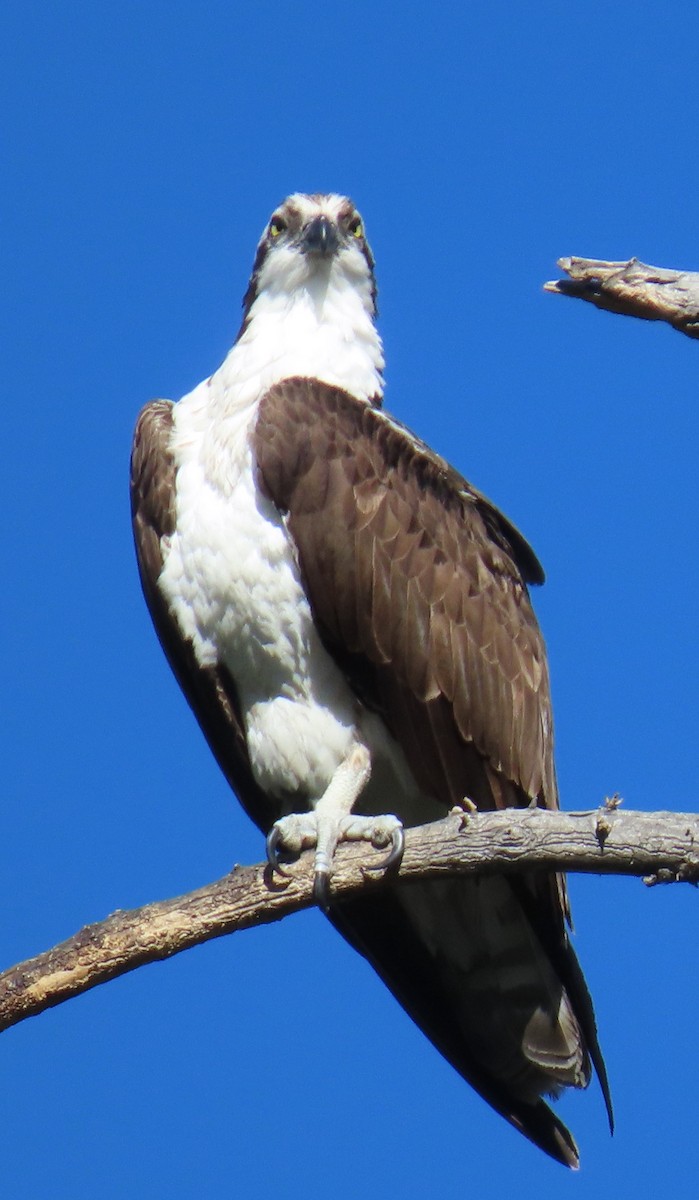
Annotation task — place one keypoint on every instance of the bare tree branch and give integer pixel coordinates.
(633, 289)
(663, 847)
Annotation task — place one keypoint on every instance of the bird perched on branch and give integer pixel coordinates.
(349, 620)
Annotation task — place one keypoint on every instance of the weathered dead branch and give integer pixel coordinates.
(633, 289)
(663, 847)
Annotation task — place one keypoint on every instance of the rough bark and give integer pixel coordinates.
(662, 847)
(633, 289)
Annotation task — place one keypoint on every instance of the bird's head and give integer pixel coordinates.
(309, 243)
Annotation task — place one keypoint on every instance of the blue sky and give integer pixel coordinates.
(145, 146)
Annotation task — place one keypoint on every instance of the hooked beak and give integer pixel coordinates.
(320, 237)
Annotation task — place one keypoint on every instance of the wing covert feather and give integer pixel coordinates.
(417, 584)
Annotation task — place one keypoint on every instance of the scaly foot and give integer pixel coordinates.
(325, 830)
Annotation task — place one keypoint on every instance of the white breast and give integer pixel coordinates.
(232, 582)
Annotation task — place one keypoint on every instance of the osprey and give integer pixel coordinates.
(349, 620)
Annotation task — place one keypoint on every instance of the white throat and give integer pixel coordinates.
(321, 328)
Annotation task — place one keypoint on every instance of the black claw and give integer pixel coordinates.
(273, 843)
(397, 847)
(321, 890)
(394, 855)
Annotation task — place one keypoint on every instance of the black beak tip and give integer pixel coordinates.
(320, 237)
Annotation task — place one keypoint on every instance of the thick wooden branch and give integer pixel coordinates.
(663, 847)
(633, 289)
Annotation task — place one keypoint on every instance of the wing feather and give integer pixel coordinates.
(392, 548)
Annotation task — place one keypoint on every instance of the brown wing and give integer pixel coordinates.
(417, 585)
(209, 690)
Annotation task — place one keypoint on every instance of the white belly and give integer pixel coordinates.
(231, 579)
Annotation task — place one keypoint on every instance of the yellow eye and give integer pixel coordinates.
(276, 226)
(356, 228)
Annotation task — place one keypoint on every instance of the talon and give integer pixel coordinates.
(397, 848)
(273, 843)
(321, 890)
(394, 855)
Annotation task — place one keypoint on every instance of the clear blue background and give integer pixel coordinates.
(145, 145)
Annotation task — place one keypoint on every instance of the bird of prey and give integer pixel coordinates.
(349, 620)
